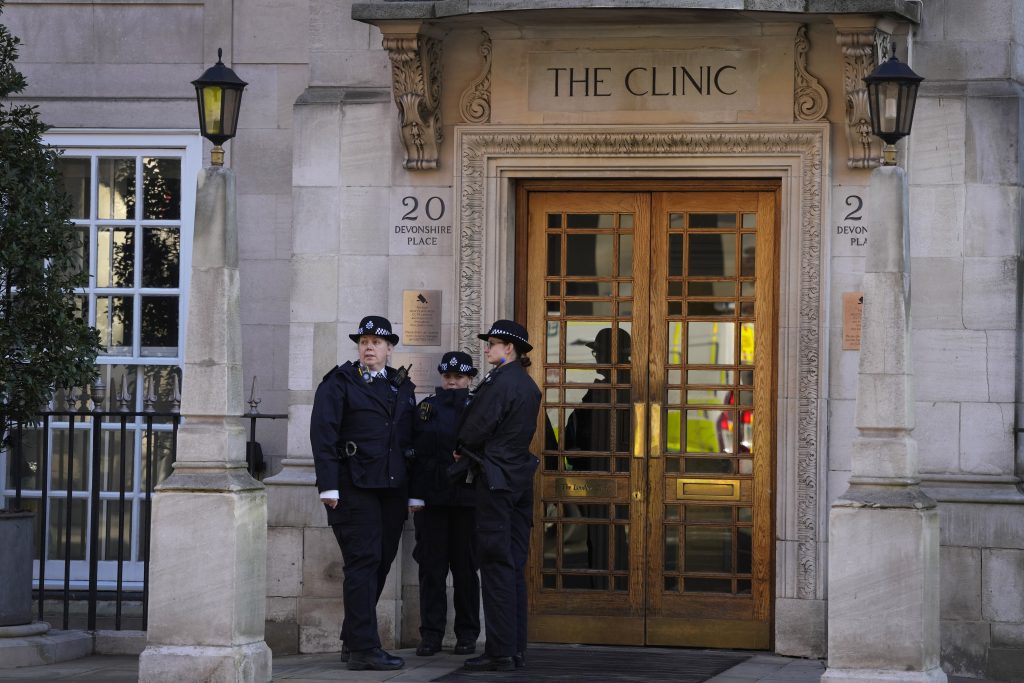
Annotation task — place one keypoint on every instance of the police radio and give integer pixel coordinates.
(401, 375)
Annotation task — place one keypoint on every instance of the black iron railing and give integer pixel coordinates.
(100, 445)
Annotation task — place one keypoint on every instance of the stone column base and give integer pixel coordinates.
(878, 675)
(249, 663)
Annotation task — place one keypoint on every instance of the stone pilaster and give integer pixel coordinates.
(207, 595)
(883, 587)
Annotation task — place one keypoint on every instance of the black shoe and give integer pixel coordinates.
(375, 659)
(345, 652)
(486, 662)
(428, 648)
(464, 647)
(519, 659)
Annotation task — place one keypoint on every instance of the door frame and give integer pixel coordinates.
(491, 160)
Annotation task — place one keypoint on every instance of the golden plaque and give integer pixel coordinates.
(578, 487)
(421, 317)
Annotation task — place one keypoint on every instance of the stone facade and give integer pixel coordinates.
(324, 163)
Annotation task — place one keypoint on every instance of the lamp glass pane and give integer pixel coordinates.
(212, 98)
(231, 101)
(889, 105)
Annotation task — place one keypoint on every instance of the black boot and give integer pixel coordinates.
(375, 659)
(428, 647)
(464, 646)
(486, 662)
(345, 652)
(519, 659)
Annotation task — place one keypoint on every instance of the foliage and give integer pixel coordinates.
(44, 340)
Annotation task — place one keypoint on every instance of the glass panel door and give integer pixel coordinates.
(588, 541)
(654, 495)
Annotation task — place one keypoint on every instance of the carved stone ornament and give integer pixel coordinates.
(416, 82)
(810, 101)
(475, 103)
(481, 212)
(861, 53)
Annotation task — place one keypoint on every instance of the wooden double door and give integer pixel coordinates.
(653, 311)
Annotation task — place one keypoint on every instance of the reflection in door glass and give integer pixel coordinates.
(625, 255)
(712, 220)
(712, 255)
(553, 342)
(708, 549)
(554, 255)
(710, 342)
(589, 255)
(575, 221)
(748, 256)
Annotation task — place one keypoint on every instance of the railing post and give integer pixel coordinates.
(96, 482)
(44, 508)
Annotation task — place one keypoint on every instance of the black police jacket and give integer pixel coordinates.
(434, 427)
(365, 426)
(498, 425)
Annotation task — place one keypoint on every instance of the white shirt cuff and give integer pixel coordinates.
(416, 502)
(332, 495)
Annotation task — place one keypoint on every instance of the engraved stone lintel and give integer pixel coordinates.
(862, 50)
(475, 102)
(810, 101)
(416, 82)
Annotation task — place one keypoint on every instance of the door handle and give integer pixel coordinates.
(655, 430)
(639, 428)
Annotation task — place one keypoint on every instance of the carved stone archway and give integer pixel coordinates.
(489, 159)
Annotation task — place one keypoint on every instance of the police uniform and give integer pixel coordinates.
(446, 526)
(497, 427)
(360, 428)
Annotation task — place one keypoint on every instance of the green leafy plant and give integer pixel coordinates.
(45, 341)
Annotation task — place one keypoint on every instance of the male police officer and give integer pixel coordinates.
(360, 428)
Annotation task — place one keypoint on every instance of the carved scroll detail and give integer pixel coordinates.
(416, 83)
(476, 150)
(475, 102)
(861, 51)
(810, 101)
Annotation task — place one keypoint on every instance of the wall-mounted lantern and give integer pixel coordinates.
(892, 95)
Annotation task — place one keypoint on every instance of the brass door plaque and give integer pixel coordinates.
(421, 317)
(578, 487)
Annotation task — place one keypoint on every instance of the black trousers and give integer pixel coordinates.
(503, 526)
(368, 535)
(446, 540)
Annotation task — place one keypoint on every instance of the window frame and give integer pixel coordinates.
(188, 147)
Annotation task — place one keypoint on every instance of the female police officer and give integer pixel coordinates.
(496, 430)
(444, 513)
(360, 428)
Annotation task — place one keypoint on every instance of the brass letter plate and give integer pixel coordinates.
(708, 489)
(578, 487)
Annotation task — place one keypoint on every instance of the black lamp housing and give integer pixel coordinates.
(219, 95)
(892, 96)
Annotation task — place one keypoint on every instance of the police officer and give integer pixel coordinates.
(360, 428)
(444, 514)
(496, 430)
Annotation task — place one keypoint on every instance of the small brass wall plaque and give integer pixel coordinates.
(853, 312)
(708, 489)
(578, 487)
(421, 317)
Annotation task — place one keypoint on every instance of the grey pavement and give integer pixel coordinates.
(764, 668)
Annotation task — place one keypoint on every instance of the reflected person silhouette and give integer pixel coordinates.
(589, 428)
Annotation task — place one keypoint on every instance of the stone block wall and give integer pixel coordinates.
(965, 171)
